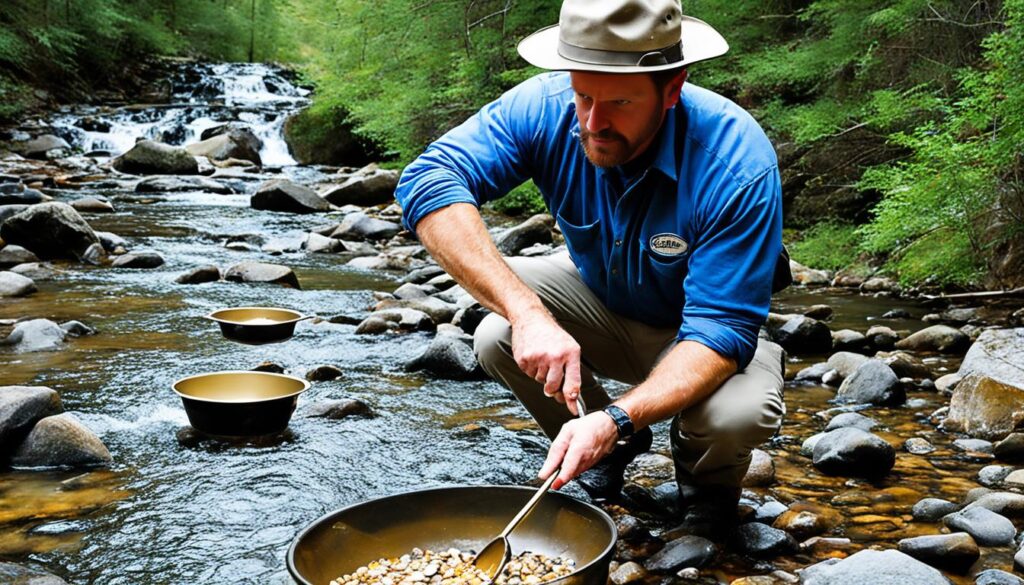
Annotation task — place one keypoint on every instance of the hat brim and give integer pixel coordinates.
(700, 43)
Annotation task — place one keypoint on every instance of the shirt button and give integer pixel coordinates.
(618, 242)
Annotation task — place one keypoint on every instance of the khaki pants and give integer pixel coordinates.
(711, 441)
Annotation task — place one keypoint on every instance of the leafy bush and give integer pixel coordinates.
(523, 200)
(827, 245)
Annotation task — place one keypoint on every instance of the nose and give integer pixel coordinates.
(596, 120)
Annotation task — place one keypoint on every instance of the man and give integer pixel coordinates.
(669, 201)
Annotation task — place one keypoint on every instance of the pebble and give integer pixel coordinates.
(453, 567)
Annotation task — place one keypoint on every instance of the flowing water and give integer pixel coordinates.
(181, 512)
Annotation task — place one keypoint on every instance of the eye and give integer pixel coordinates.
(622, 102)
(583, 97)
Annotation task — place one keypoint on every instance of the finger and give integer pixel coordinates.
(573, 380)
(555, 454)
(570, 464)
(553, 382)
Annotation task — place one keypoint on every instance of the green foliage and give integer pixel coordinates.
(827, 245)
(523, 200)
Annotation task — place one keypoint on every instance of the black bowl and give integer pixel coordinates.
(257, 325)
(465, 518)
(240, 404)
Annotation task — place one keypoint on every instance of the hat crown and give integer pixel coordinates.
(620, 25)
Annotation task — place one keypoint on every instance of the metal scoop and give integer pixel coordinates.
(492, 557)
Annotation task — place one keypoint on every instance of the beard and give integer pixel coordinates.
(618, 149)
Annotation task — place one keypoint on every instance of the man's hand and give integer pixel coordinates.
(580, 444)
(549, 355)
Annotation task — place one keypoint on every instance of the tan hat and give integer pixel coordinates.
(622, 36)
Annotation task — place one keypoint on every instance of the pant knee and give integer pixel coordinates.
(489, 338)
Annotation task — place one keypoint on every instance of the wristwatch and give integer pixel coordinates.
(623, 424)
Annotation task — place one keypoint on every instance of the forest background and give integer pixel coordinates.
(899, 123)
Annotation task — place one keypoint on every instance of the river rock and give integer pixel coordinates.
(987, 527)
(153, 158)
(317, 244)
(44, 147)
(369, 186)
(182, 184)
(375, 325)
(284, 195)
(35, 270)
(50, 230)
(439, 311)
(92, 205)
(997, 577)
(77, 329)
(845, 363)
(819, 312)
(406, 319)
(932, 509)
(880, 284)
(15, 285)
(229, 142)
(139, 260)
(60, 440)
(984, 408)
(262, 272)
(14, 574)
(324, 373)
(359, 226)
(626, 573)
(997, 355)
(761, 540)
(976, 446)
(1010, 449)
(993, 475)
(803, 335)
(851, 419)
(853, 452)
(849, 340)
(918, 446)
(761, 471)
(812, 373)
(807, 447)
(536, 230)
(769, 511)
(17, 195)
(887, 567)
(882, 338)
(803, 524)
(422, 275)
(905, 365)
(447, 357)
(339, 409)
(685, 551)
(873, 382)
(35, 335)
(937, 338)
(413, 291)
(11, 255)
(199, 275)
(808, 276)
(954, 552)
(21, 407)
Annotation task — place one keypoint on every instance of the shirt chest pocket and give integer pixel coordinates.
(583, 242)
(658, 268)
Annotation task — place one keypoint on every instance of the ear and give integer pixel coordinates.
(673, 88)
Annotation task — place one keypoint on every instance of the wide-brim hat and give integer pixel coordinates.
(622, 36)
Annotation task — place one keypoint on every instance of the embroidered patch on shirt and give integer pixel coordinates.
(669, 244)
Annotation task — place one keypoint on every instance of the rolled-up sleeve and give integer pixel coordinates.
(728, 285)
(482, 159)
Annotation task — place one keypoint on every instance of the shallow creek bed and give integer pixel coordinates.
(454, 567)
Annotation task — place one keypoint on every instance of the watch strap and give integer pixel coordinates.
(623, 424)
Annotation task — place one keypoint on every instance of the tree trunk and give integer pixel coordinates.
(252, 29)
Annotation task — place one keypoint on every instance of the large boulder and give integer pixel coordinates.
(874, 383)
(15, 285)
(226, 142)
(887, 567)
(368, 186)
(852, 452)
(803, 335)
(161, 184)
(937, 338)
(284, 195)
(985, 408)
(35, 335)
(60, 440)
(262, 272)
(50, 230)
(153, 158)
(21, 407)
(997, 354)
(536, 230)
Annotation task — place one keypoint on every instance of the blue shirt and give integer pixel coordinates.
(690, 242)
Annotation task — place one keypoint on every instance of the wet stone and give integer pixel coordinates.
(849, 340)
(888, 567)
(77, 329)
(905, 365)
(447, 357)
(932, 509)
(993, 475)
(324, 373)
(761, 540)
(199, 275)
(139, 260)
(536, 230)
(630, 572)
(35, 335)
(286, 196)
(761, 471)
(631, 528)
(873, 382)
(973, 446)
(92, 205)
(269, 367)
(852, 420)
(937, 338)
(1004, 503)
(11, 255)
(1010, 449)
(881, 337)
(845, 363)
(803, 524)
(812, 373)
(954, 552)
(819, 312)
(997, 577)
(1015, 478)
(58, 441)
(769, 511)
(14, 285)
(853, 452)
(339, 409)
(946, 384)
(359, 226)
(21, 407)
(685, 551)
(375, 325)
(802, 335)
(987, 527)
(261, 272)
(807, 447)
(422, 275)
(985, 408)
(471, 431)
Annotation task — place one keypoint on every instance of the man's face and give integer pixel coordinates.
(619, 114)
